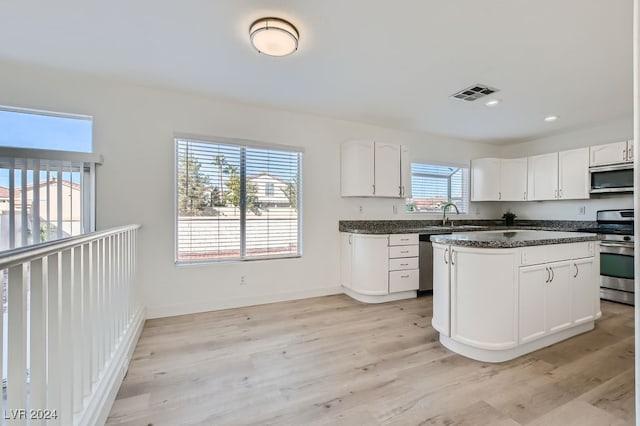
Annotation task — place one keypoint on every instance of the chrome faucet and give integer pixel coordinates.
(444, 211)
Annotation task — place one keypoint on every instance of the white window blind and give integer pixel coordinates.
(236, 202)
(433, 185)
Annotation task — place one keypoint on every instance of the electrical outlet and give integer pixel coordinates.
(243, 280)
(361, 209)
(582, 211)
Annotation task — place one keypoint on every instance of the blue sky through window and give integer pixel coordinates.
(22, 129)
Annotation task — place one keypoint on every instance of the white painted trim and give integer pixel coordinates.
(392, 297)
(102, 398)
(487, 355)
(216, 305)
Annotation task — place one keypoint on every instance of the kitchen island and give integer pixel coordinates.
(501, 294)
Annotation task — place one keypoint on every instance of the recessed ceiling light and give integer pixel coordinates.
(492, 102)
(550, 118)
(274, 36)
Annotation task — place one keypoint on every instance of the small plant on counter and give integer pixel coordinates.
(509, 217)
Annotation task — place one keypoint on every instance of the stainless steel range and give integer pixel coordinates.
(615, 228)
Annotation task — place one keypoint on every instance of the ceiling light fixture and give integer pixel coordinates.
(492, 102)
(274, 36)
(550, 118)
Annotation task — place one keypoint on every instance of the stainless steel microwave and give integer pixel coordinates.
(612, 178)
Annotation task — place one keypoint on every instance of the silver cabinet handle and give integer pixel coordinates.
(446, 252)
(630, 153)
(524, 196)
(404, 239)
(552, 274)
(404, 264)
(499, 195)
(404, 251)
(350, 237)
(560, 193)
(452, 257)
(374, 189)
(548, 275)
(400, 190)
(624, 154)
(404, 276)
(577, 270)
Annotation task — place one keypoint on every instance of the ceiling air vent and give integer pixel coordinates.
(474, 92)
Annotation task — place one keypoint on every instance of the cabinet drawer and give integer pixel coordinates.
(403, 280)
(556, 252)
(403, 239)
(401, 264)
(403, 251)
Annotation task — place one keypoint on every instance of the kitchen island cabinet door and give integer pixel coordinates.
(345, 259)
(370, 264)
(583, 282)
(531, 293)
(558, 298)
(441, 295)
(483, 297)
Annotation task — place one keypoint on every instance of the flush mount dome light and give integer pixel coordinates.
(550, 118)
(274, 36)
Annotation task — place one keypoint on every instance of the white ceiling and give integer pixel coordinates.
(387, 63)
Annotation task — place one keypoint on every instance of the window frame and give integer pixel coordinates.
(466, 185)
(243, 144)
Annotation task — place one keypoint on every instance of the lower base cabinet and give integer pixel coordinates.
(374, 267)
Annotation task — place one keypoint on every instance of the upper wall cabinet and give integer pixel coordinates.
(499, 179)
(611, 153)
(375, 169)
(560, 175)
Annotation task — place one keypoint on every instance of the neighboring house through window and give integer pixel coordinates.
(236, 201)
(433, 185)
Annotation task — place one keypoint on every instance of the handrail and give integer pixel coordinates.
(20, 255)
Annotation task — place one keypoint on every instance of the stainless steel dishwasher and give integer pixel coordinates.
(426, 264)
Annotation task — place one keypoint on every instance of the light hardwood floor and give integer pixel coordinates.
(334, 361)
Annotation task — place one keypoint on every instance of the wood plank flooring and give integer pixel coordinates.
(335, 361)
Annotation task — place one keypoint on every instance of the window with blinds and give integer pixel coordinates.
(236, 202)
(434, 185)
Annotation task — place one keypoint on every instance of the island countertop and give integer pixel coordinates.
(511, 238)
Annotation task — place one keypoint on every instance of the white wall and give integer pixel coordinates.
(134, 127)
(570, 209)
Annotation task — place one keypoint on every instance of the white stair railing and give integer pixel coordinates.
(72, 322)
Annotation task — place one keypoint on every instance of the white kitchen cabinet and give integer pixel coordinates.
(441, 289)
(379, 268)
(573, 174)
(611, 153)
(560, 175)
(583, 284)
(369, 264)
(483, 297)
(499, 179)
(374, 169)
(345, 259)
(543, 176)
(474, 295)
(557, 298)
(485, 179)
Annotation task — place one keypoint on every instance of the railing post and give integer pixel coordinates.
(38, 345)
(17, 346)
(86, 315)
(76, 326)
(53, 332)
(66, 342)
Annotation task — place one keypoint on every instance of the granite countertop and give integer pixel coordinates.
(434, 227)
(512, 238)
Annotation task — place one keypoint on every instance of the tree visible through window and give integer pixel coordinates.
(236, 202)
(434, 185)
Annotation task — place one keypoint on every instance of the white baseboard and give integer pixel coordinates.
(99, 404)
(216, 305)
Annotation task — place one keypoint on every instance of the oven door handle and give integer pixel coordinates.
(616, 248)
